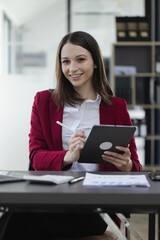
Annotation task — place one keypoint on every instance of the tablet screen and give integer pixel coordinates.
(103, 138)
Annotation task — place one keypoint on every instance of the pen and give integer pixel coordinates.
(63, 125)
(74, 180)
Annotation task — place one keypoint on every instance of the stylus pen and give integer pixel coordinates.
(63, 125)
(74, 180)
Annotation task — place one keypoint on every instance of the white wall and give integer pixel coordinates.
(1, 40)
(16, 98)
(44, 33)
(17, 91)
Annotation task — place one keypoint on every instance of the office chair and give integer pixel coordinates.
(30, 168)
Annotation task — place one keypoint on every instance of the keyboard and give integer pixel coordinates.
(7, 179)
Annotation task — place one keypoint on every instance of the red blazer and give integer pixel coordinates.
(45, 138)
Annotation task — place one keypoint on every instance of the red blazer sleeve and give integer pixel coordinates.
(117, 114)
(44, 154)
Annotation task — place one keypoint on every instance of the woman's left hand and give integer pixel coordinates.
(122, 161)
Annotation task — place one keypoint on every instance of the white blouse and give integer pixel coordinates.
(80, 117)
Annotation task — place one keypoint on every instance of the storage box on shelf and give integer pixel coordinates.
(135, 76)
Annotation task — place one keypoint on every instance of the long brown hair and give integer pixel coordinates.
(64, 91)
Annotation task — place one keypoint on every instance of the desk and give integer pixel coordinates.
(76, 197)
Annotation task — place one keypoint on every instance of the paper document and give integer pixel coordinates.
(116, 180)
(55, 179)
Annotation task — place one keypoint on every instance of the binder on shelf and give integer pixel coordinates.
(121, 26)
(142, 90)
(124, 93)
(139, 91)
(157, 90)
(144, 29)
(157, 59)
(158, 94)
(157, 66)
(148, 121)
(123, 89)
(147, 152)
(132, 29)
(157, 121)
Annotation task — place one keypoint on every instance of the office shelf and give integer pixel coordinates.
(140, 88)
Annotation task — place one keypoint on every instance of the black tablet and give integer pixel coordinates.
(105, 137)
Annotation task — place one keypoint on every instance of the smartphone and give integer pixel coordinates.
(155, 176)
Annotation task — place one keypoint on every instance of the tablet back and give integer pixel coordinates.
(103, 138)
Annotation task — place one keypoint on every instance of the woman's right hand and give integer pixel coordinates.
(76, 144)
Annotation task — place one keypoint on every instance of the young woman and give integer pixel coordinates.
(81, 99)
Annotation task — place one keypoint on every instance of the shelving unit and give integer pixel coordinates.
(141, 87)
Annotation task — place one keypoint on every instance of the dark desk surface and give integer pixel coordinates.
(37, 196)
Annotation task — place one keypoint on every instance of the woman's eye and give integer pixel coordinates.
(81, 59)
(65, 61)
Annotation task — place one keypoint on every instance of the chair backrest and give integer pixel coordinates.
(30, 168)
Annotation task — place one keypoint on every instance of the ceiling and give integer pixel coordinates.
(22, 11)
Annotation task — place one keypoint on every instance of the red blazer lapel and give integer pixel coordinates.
(106, 114)
(56, 130)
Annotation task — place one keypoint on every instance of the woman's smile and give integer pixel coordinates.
(75, 76)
